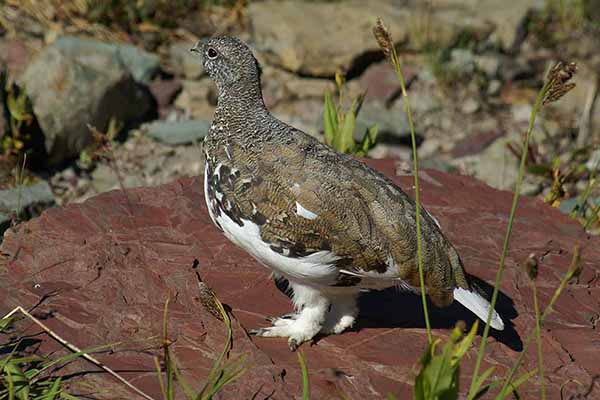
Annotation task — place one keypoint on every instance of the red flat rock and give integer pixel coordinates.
(100, 272)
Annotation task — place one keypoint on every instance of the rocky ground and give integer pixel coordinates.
(473, 70)
(98, 102)
(100, 272)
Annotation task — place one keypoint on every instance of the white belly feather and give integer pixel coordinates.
(314, 269)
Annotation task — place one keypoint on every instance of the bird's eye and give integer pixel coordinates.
(211, 53)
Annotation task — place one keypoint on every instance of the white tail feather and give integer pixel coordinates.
(479, 306)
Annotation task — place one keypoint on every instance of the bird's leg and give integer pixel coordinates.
(284, 319)
(342, 314)
(312, 306)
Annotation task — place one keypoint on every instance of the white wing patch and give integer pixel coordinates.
(478, 306)
(317, 268)
(303, 212)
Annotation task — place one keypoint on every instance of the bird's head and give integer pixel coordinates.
(229, 62)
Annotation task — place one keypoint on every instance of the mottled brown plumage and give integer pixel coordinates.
(305, 201)
(362, 216)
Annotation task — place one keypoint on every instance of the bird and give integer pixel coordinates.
(324, 221)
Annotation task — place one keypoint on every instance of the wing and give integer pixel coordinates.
(321, 200)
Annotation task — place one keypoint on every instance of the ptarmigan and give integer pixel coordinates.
(326, 222)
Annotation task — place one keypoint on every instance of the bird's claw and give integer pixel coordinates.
(293, 341)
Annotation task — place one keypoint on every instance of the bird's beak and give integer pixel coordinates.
(197, 47)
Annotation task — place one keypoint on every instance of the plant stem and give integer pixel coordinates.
(305, 379)
(486, 329)
(538, 335)
(547, 311)
(398, 69)
(593, 217)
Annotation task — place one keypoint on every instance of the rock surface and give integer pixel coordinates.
(333, 35)
(177, 132)
(100, 272)
(71, 86)
(142, 65)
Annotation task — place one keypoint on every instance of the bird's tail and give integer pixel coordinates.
(479, 306)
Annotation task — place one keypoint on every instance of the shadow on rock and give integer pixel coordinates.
(391, 308)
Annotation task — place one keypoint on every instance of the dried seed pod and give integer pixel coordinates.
(208, 298)
(531, 266)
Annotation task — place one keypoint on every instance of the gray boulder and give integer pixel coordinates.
(392, 123)
(142, 65)
(315, 38)
(24, 202)
(75, 82)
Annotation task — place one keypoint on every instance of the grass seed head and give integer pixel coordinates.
(383, 37)
(558, 81)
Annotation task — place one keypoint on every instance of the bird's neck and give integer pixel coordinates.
(239, 103)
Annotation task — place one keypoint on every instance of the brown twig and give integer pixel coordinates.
(76, 349)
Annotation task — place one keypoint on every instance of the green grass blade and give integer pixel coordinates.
(507, 236)
(10, 384)
(481, 379)
(161, 382)
(8, 358)
(305, 380)
(52, 391)
(184, 384)
(222, 373)
(71, 357)
(5, 323)
(385, 41)
(227, 375)
(513, 386)
(573, 268)
(538, 336)
(368, 140)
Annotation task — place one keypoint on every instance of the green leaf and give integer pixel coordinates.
(463, 346)
(368, 141)
(17, 106)
(357, 105)
(440, 373)
(346, 136)
(330, 119)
